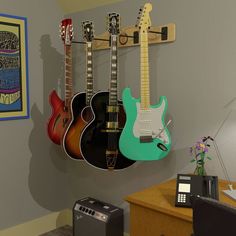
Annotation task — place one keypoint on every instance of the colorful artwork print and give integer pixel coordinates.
(9, 72)
(13, 68)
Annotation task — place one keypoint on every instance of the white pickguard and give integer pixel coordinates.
(149, 123)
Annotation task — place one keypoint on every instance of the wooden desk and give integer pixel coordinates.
(153, 211)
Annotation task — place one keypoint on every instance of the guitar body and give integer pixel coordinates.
(94, 138)
(81, 115)
(59, 119)
(129, 142)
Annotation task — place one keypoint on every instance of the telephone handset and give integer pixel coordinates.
(188, 186)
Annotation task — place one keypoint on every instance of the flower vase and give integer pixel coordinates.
(200, 168)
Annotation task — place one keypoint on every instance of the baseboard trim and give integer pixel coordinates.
(40, 225)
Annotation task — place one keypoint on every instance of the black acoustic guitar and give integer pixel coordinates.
(99, 139)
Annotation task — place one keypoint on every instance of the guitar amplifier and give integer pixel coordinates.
(93, 217)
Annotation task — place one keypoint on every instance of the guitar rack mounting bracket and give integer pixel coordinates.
(79, 42)
(129, 36)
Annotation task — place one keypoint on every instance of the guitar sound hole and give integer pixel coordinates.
(56, 121)
(87, 114)
(65, 120)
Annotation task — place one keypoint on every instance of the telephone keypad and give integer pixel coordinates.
(182, 197)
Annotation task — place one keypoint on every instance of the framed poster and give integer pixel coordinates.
(14, 98)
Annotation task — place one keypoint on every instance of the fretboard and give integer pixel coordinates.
(68, 75)
(144, 70)
(114, 71)
(89, 66)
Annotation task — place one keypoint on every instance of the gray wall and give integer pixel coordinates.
(196, 73)
(32, 174)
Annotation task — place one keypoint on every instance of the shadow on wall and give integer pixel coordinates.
(114, 186)
(47, 164)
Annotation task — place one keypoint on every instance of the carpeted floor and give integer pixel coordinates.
(62, 231)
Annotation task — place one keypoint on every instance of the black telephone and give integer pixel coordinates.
(188, 186)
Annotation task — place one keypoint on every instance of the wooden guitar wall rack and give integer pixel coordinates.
(129, 36)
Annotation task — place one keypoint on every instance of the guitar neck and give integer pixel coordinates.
(114, 72)
(68, 75)
(89, 66)
(144, 70)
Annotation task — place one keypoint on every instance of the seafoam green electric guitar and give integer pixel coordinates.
(145, 135)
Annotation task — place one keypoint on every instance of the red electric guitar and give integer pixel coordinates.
(61, 115)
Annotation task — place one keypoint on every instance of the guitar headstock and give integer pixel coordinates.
(114, 23)
(88, 31)
(144, 21)
(66, 30)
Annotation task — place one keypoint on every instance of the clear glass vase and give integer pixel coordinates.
(200, 169)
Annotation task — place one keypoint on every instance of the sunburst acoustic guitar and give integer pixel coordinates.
(80, 103)
(61, 116)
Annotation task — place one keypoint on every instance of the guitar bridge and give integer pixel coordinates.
(146, 139)
(112, 109)
(111, 130)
